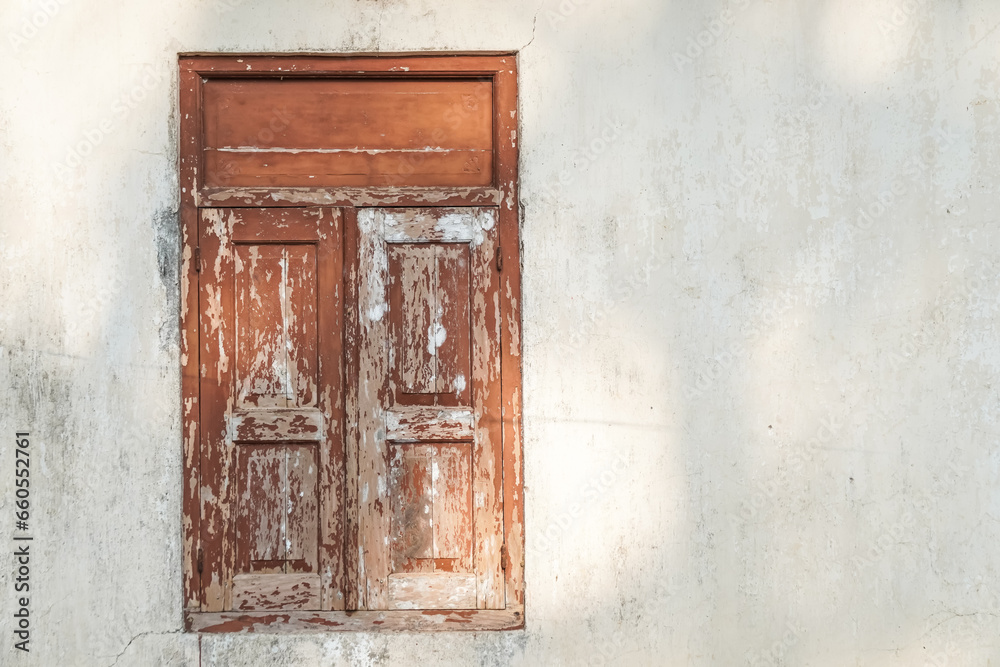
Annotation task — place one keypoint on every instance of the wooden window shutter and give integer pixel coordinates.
(270, 387)
(350, 343)
(426, 457)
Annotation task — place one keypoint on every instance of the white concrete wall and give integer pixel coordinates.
(761, 428)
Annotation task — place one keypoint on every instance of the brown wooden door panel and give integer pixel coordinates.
(276, 339)
(454, 336)
(430, 355)
(427, 406)
(431, 492)
(272, 452)
(412, 287)
(262, 494)
(278, 510)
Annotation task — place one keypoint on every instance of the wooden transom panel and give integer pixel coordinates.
(348, 133)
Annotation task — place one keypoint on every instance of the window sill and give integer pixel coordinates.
(288, 622)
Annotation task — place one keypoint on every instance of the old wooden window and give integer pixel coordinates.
(350, 343)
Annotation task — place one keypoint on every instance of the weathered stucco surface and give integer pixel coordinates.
(761, 326)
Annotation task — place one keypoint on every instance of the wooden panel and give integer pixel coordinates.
(432, 590)
(430, 350)
(416, 423)
(262, 375)
(277, 425)
(276, 333)
(278, 507)
(431, 491)
(451, 478)
(300, 168)
(436, 620)
(314, 196)
(333, 114)
(217, 460)
(413, 352)
(454, 353)
(284, 226)
(487, 455)
(266, 274)
(301, 505)
(417, 225)
(287, 592)
(260, 530)
(412, 493)
(300, 299)
(348, 132)
(435, 481)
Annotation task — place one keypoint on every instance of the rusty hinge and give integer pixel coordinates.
(499, 261)
(503, 557)
(197, 259)
(201, 561)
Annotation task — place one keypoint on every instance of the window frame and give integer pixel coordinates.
(501, 68)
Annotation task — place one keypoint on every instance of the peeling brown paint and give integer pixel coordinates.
(284, 592)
